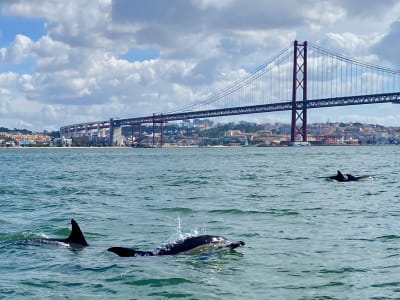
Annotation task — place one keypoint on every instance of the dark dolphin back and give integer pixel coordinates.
(185, 245)
(76, 238)
(351, 177)
(196, 243)
(191, 243)
(128, 252)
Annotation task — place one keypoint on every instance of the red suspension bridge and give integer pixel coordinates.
(303, 76)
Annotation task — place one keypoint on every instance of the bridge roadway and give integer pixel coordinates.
(69, 130)
(242, 110)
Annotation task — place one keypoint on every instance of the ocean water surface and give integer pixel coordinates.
(306, 237)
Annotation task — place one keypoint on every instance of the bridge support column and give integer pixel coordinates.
(116, 138)
(154, 131)
(161, 130)
(299, 91)
(162, 134)
(131, 135)
(111, 137)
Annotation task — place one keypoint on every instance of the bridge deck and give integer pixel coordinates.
(242, 110)
(253, 109)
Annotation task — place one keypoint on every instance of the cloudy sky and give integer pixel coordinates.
(65, 62)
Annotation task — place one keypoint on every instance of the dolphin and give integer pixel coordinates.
(75, 240)
(189, 245)
(348, 177)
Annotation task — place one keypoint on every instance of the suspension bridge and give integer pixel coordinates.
(301, 77)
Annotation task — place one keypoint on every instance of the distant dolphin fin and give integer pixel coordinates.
(340, 176)
(76, 236)
(127, 252)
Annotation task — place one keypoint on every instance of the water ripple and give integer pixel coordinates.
(152, 282)
(306, 237)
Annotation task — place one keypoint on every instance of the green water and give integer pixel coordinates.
(306, 237)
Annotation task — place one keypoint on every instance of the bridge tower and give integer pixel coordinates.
(299, 93)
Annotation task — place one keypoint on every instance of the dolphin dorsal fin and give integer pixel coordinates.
(340, 175)
(76, 236)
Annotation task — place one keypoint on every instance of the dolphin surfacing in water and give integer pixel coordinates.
(189, 245)
(348, 177)
(75, 240)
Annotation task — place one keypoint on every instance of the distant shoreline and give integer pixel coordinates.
(167, 147)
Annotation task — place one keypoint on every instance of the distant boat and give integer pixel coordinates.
(10, 144)
(296, 144)
(141, 146)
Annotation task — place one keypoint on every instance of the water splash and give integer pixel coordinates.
(179, 235)
(179, 227)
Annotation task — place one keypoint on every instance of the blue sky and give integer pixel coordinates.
(74, 61)
(10, 26)
(137, 54)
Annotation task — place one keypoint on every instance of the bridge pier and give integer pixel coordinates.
(161, 131)
(154, 131)
(111, 134)
(116, 138)
(161, 134)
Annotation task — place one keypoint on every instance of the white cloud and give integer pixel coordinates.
(324, 12)
(204, 4)
(18, 50)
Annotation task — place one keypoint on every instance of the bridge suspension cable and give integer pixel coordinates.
(332, 75)
(269, 83)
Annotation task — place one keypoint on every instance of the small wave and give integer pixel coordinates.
(17, 191)
(257, 196)
(185, 182)
(12, 192)
(40, 284)
(313, 208)
(388, 237)
(386, 284)
(234, 211)
(152, 282)
(294, 238)
(329, 284)
(248, 177)
(171, 295)
(250, 234)
(18, 236)
(175, 209)
(341, 270)
(101, 269)
(376, 193)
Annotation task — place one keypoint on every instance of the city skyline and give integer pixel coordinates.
(121, 58)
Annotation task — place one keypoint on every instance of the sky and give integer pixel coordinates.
(67, 62)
